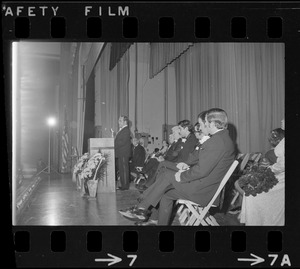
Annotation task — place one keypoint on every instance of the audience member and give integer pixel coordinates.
(186, 145)
(188, 138)
(138, 155)
(175, 145)
(164, 148)
(275, 137)
(199, 183)
(267, 208)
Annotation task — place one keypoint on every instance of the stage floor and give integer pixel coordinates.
(57, 202)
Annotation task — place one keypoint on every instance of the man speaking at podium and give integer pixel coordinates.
(123, 152)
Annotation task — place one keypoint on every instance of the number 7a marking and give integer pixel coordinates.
(133, 259)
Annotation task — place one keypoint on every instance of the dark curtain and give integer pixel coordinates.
(89, 120)
(117, 50)
(112, 85)
(162, 54)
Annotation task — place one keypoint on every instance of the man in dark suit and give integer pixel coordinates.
(123, 152)
(138, 155)
(175, 145)
(199, 183)
(187, 144)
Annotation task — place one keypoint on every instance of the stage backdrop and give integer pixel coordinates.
(245, 79)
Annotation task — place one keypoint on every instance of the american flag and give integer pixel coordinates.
(65, 145)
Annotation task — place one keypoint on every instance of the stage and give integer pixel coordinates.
(57, 202)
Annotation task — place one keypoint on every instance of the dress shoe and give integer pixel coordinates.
(136, 214)
(128, 209)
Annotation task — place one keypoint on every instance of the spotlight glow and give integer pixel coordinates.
(51, 121)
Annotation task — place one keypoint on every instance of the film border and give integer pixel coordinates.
(148, 15)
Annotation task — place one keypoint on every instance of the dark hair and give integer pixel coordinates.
(218, 116)
(202, 115)
(186, 123)
(197, 128)
(276, 136)
(125, 118)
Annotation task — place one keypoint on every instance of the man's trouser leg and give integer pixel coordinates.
(154, 193)
(166, 206)
(124, 172)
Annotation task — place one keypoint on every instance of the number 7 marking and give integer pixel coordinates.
(274, 256)
(133, 259)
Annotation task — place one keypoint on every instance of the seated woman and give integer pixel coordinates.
(267, 208)
(275, 137)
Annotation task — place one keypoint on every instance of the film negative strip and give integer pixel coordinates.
(158, 63)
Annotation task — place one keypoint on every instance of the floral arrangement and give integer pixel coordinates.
(90, 168)
(257, 178)
(79, 166)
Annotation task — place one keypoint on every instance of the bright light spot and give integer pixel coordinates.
(51, 121)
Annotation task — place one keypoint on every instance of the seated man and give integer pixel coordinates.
(194, 155)
(199, 183)
(188, 144)
(175, 145)
(171, 154)
(138, 156)
(149, 168)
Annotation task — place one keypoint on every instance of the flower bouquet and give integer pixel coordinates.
(78, 167)
(256, 179)
(91, 172)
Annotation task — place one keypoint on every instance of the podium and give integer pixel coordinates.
(106, 146)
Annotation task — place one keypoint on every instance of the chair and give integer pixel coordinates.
(255, 157)
(193, 214)
(242, 167)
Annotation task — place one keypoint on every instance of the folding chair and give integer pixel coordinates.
(243, 159)
(255, 157)
(242, 167)
(193, 214)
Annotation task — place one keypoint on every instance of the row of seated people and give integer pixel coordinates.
(195, 172)
(185, 141)
(195, 159)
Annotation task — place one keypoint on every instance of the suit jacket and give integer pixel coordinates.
(138, 156)
(123, 143)
(150, 167)
(173, 151)
(187, 148)
(194, 155)
(201, 181)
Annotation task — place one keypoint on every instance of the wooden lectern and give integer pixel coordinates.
(106, 146)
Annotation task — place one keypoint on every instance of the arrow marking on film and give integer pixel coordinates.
(256, 260)
(112, 261)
